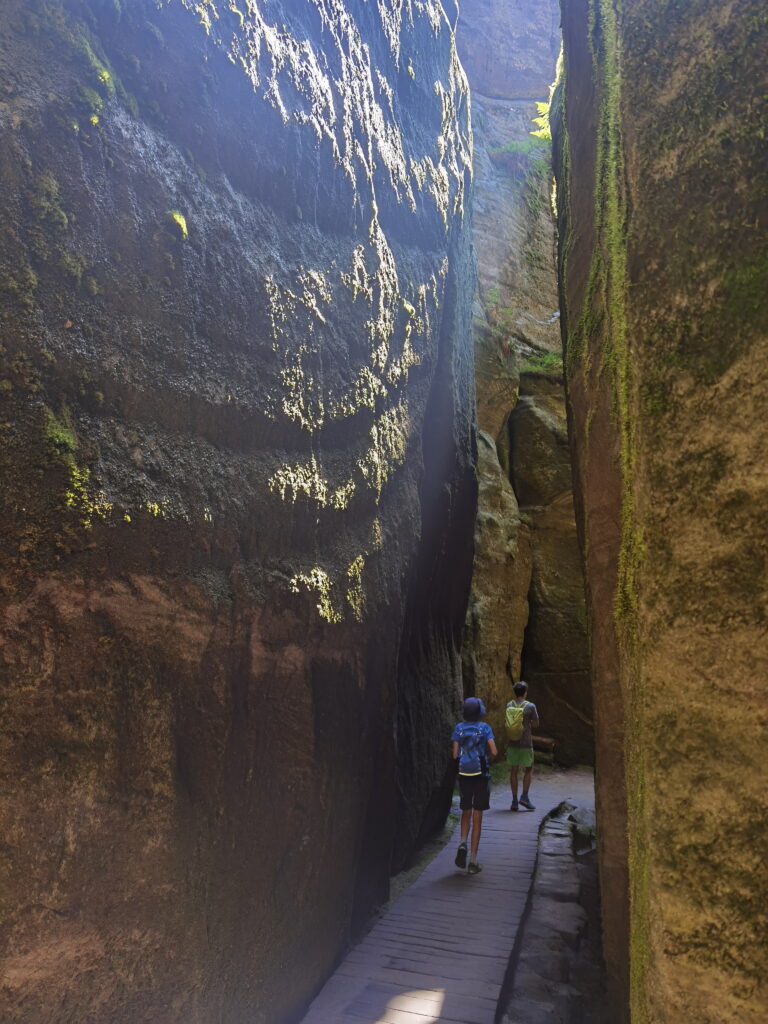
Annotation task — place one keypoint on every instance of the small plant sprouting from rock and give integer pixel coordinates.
(45, 201)
(59, 434)
(543, 362)
(543, 132)
(178, 222)
(62, 444)
(19, 286)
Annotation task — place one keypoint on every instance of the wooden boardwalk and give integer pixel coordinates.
(440, 952)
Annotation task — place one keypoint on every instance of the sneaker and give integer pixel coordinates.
(461, 856)
(525, 802)
(513, 805)
(474, 869)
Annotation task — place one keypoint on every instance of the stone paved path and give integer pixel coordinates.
(417, 966)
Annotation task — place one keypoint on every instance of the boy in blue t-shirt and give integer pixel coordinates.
(472, 741)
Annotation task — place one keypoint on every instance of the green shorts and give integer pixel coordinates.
(520, 757)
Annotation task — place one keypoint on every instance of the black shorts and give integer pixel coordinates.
(475, 792)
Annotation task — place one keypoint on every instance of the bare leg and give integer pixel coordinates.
(477, 825)
(513, 781)
(527, 780)
(465, 820)
(461, 853)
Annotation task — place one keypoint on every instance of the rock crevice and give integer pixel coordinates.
(526, 612)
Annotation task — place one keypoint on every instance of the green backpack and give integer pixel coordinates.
(514, 719)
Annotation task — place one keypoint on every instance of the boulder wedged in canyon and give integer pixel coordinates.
(663, 199)
(509, 50)
(238, 490)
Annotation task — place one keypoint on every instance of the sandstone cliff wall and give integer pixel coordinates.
(664, 263)
(237, 489)
(529, 566)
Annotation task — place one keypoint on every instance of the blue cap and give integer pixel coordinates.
(473, 707)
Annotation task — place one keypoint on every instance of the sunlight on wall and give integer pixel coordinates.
(301, 315)
(318, 316)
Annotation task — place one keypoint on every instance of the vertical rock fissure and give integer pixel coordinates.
(527, 614)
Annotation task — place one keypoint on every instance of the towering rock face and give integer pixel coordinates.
(509, 49)
(237, 489)
(664, 260)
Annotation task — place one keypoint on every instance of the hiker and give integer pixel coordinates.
(472, 741)
(521, 717)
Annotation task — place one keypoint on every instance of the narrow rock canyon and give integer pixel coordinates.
(357, 356)
(526, 615)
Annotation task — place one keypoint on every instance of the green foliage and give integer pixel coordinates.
(92, 285)
(90, 101)
(62, 445)
(72, 38)
(543, 362)
(539, 173)
(98, 72)
(540, 169)
(45, 201)
(178, 222)
(544, 130)
(73, 265)
(60, 435)
(20, 286)
(524, 146)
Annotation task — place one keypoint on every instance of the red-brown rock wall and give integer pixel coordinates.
(236, 467)
(662, 199)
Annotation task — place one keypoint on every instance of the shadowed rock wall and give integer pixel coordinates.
(237, 490)
(555, 657)
(664, 265)
(509, 49)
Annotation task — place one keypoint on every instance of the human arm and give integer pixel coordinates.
(455, 750)
(490, 741)
(534, 717)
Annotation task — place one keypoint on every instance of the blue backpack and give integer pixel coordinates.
(472, 745)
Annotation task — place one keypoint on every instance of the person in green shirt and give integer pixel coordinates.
(520, 751)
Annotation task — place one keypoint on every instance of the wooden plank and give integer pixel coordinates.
(466, 987)
(440, 952)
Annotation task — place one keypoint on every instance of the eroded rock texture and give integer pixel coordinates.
(498, 606)
(555, 656)
(237, 489)
(664, 259)
(509, 49)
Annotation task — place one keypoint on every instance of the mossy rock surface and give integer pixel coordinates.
(662, 125)
(237, 487)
